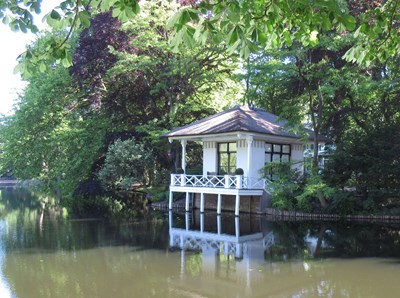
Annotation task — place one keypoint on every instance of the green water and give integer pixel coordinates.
(192, 255)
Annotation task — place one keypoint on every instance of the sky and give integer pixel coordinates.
(12, 45)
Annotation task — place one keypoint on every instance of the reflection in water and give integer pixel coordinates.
(5, 290)
(192, 255)
(252, 257)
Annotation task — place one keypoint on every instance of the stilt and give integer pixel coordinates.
(170, 200)
(187, 222)
(201, 222)
(202, 203)
(187, 202)
(237, 205)
(219, 204)
(237, 227)
(219, 224)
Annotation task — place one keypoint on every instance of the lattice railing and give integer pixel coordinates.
(219, 181)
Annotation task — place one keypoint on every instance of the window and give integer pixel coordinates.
(226, 158)
(276, 153)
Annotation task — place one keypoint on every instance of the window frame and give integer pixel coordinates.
(230, 168)
(280, 153)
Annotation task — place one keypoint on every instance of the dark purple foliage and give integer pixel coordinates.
(93, 58)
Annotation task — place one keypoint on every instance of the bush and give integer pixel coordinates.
(239, 171)
(126, 163)
(344, 203)
(195, 170)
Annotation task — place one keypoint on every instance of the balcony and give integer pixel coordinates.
(219, 181)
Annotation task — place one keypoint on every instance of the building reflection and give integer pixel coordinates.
(232, 248)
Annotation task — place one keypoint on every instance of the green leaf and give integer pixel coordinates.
(84, 17)
(173, 21)
(350, 22)
(232, 36)
(5, 20)
(55, 15)
(42, 67)
(233, 16)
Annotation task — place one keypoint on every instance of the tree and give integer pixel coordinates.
(47, 138)
(126, 82)
(246, 26)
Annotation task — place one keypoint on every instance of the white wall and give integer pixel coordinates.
(242, 155)
(258, 159)
(209, 157)
(210, 162)
(297, 155)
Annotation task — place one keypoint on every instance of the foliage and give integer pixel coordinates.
(369, 161)
(94, 46)
(246, 26)
(344, 203)
(126, 163)
(239, 171)
(285, 187)
(47, 138)
(314, 189)
(250, 25)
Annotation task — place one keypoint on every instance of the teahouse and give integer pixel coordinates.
(237, 143)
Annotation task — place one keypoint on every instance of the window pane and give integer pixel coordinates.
(223, 147)
(223, 159)
(223, 170)
(277, 148)
(285, 157)
(268, 147)
(285, 148)
(267, 157)
(232, 147)
(276, 157)
(232, 163)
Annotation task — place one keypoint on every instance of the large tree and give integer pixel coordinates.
(246, 25)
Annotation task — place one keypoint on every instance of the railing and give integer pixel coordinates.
(221, 181)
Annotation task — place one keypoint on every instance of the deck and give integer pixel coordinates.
(235, 185)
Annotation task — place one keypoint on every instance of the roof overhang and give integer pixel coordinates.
(239, 135)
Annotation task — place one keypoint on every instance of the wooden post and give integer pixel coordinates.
(201, 222)
(170, 200)
(202, 202)
(249, 155)
(226, 181)
(187, 221)
(237, 205)
(219, 224)
(187, 202)
(183, 163)
(219, 204)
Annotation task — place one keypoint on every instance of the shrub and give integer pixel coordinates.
(239, 171)
(126, 163)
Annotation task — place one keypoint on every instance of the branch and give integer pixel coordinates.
(78, 2)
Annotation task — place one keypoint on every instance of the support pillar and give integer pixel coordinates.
(219, 204)
(187, 221)
(183, 163)
(187, 202)
(237, 205)
(202, 203)
(219, 224)
(249, 155)
(201, 222)
(170, 200)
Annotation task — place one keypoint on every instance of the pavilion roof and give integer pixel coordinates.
(238, 119)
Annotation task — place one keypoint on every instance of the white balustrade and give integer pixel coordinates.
(225, 181)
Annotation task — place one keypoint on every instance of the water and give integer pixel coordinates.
(192, 255)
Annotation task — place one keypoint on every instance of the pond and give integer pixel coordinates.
(191, 255)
